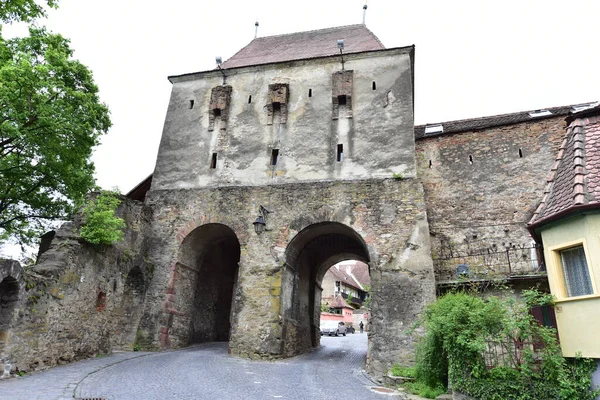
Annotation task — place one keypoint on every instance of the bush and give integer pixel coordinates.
(462, 327)
(101, 225)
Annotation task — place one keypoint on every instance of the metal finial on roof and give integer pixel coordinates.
(256, 29)
(364, 13)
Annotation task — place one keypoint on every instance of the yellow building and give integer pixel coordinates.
(567, 222)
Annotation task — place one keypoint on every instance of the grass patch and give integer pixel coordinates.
(423, 390)
(399, 370)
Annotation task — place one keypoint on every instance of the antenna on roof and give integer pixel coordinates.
(256, 28)
(364, 12)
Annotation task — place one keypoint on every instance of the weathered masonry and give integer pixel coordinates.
(315, 143)
(328, 157)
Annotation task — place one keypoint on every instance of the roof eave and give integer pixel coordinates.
(405, 49)
(568, 212)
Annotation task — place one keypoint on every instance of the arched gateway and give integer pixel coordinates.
(308, 256)
(203, 287)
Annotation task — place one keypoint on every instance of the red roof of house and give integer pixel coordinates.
(358, 277)
(574, 180)
(302, 45)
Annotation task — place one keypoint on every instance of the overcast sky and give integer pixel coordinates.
(473, 58)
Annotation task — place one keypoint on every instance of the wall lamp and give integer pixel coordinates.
(260, 225)
(340, 45)
(219, 61)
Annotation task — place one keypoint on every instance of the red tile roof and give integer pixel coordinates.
(301, 45)
(574, 179)
(355, 275)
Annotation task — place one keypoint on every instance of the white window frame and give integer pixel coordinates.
(557, 269)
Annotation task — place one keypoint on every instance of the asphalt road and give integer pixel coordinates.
(334, 371)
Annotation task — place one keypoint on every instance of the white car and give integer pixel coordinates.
(333, 328)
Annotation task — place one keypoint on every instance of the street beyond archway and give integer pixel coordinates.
(205, 371)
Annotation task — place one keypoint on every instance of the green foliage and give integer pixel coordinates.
(367, 303)
(526, 357)
(534, 298)
(137, 347)
(101, 225)
(325, 307)
(50, 119)
(23, 10)
(398, 176)
(399, 370)
(423, 390)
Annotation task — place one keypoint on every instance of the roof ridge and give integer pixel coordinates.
(316, 30)
(374, 35)
(500, 115)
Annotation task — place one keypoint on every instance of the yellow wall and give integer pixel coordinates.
(578, 318)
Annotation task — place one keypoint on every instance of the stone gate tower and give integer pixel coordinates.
(321, 145)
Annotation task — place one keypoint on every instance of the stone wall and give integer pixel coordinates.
(481, 190)
(382, 222)
(270, 130)
(79, 300)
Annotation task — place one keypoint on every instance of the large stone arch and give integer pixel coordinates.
(202, 285)
(308, 256)
(10, 289)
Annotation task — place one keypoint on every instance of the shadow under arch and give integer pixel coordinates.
(207, 272)
(9, 295)
(134, 293)
(308, 256)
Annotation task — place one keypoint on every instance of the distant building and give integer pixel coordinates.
(349, 280)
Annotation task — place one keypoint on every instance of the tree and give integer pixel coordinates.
(50, 119)
(23, 10)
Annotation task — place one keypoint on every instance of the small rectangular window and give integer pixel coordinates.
(342, 100)
(340, 152)
(575, 272)
(374, 86)
(191, 104)
(274, 156)
(249, 99)
(217, 112)
(309, 92)
(213, 161)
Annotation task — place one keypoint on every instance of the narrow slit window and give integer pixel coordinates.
(191, 104)
(249, 99)
(520, 153)
(470, 159)
(342, 100)
(274, 156)
(213, 161)
(340, 152)
(374, 86)
(309, 92)
(430, 165)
